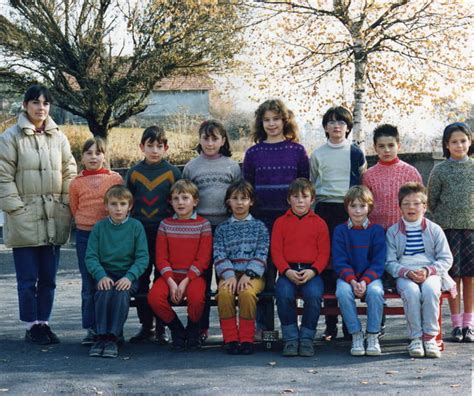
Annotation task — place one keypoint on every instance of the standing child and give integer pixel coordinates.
(212, 172)
(150, 181)
(240, 256)
(300, 251)
(335, 167)
(358, 257)
(183, 253)
(86, 199)
(418, 256)
(116, 256)
(450, 199)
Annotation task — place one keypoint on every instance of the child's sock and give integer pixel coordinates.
(29, 325)
(456, 320)
(45, 322)
(467, 319)
(427, 337)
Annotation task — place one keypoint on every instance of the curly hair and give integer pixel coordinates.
(290, 128)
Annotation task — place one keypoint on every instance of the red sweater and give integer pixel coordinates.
(183, 246)
(300, 240)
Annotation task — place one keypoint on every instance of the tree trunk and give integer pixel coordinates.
(97, 129)
(360, 76)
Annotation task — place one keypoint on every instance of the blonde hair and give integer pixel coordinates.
(118, 191)
(185, 186)
(412, 188)
(362, 193)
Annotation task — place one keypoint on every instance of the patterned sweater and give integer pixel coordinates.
(451, 194)
(183, 246)
(240, 245)
(86, 196)
(213, 177)
(150, 186)
(384, 179)
(270, 168)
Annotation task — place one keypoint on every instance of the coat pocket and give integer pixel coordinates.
(62, 222)
(21, 227)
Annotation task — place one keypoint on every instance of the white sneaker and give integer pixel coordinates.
(373, 346)
(415, 349)
(357, 348)
(432, 349)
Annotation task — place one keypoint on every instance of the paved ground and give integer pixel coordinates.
(146, 369)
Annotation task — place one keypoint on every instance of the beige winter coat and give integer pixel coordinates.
(35, 172)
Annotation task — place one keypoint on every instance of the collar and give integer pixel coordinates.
(289, 213)
(338, 145)
(465, 159)
(193, 217)
(234, 220)
(115, 224)
(86, 172)
(403, 228)
(364, 225)
(49, 126)
(211, 157)
(396, 160)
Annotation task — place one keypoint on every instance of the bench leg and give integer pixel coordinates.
(439, 337)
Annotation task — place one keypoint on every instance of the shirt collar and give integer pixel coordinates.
(364, 226)
(248, 218)
(193, 216)
(115, 224)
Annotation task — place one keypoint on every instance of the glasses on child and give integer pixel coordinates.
(409, 204)
(336, 122)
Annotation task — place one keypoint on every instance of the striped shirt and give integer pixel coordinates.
(414, 244)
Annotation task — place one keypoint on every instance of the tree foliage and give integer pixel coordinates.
(101, 58)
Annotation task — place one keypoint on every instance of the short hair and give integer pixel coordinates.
(290, 127)
(338, 113)
(412, 188)
(301, 184)
(154, 133)
(214, 128)
(362, 193)
(100, 143)
(35, 91)
(241, 186)
(386, 130)
(449, 130)
(118, 191)
(185, 186)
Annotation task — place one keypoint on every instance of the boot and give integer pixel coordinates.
(229, 330)
(192, 335)
(178, 334)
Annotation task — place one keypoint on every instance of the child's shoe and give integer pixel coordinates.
(232, 348)
(432, 349)
(178, 334)
(290, 348)
(306, 348)
(145, 334)
(415, 349)
(246, 348)
(457, 334)
(357, 348)
(161, 335)
(36, 336)
(193, 335)
(46, 330)
(90, 338)
(96, 349)
(468, 334)
(373, 345)
(110, 349)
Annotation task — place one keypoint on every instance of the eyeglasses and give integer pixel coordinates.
(415, 204)
(337, 122)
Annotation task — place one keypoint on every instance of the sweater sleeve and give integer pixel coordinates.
(434, 190)
(224, 267)
(323, 247)
(379, 254)
(204, 252)
(73, 197)
(69, 169)
(392, 265)
(276, 247)
(236, 172)
(141, 254)
(303, 164)
(258, 263)
(444, 258)
(9, 197)
(162, 262)
(248, 169)
(341, 261)
(93, 265)
(314, 168)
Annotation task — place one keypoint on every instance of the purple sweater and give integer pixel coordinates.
(270, 168)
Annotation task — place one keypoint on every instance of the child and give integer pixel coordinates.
(116, 256)
(358, 258)
(389, 167)
(212, 172)
(150, 181)
(86, 200)
(240, 256)
(418, 256)
(335, 167)
(300, 251)
(270, 166)
(183, 253)
(450, 200)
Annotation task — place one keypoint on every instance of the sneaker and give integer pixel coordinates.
(432, 349)
(306, 348)
(46, 330)
(357, 347)
(290, 348)
(246, 348)
(144, 335)
(36, 336)
(468, 334)
(457, 334)
(96, 349)
(110, 349)
(373, 346)
(415, 349)
(162, 336)
(232, 348)
(90, 338)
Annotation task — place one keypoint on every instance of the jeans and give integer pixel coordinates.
(374, 299)
(88, 283)
(286, 292)
(36, 269)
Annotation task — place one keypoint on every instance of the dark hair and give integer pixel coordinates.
(118, 191)
(35, 91)
(100, 143)
(290, 128)
(449, 130)
(301, 184)
(154, 133)
(185, 186)
(412, 188)
(362, 193)
(338, 113)
(241, 186)
(214, 128)
(386, 130)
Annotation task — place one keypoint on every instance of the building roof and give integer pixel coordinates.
(184, 83)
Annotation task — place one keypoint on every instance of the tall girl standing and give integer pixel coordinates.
(450, 200)
(86, 199)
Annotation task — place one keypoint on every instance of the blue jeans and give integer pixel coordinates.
(286, 292)
(36, 269)
(374, 299)
(88, 283)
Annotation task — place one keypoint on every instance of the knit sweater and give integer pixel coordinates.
(183, 246)
(300, 240)
(240, 245)
(270, 168)
(150, 186)
(384, 179)
(359, 254)
(212, 177)
(451, 194)
(119, 249)
(86, 196)
(334, 169)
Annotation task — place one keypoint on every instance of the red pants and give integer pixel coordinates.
(158, 298)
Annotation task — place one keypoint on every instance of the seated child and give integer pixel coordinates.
(240, 258)
(418, 256)
(116, 256)
(300, 251)
(358, 257)
(183, 253)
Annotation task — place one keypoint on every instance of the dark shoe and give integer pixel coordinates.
(46, 330)
(246, 348)
(178, 334)
(161, 335)
(290, 348)
(36, 336)
(382, 325)
(144, 335)
(468, 334)
(90, 338)
(193, 335)
(96, 349)
(330, 334)
(232, 348)
(306, 348)
(347, 335)
(110, 349)
(457, 334)
(204, 335)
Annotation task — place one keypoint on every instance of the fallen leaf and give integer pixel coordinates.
(45, 350)
(419, 377)
(289, 390)
(391, 372)
(383, 383)
(4, 389)
(364, 382)
(272, 364)
(312, 371)
(126, 358)
(455, 385)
